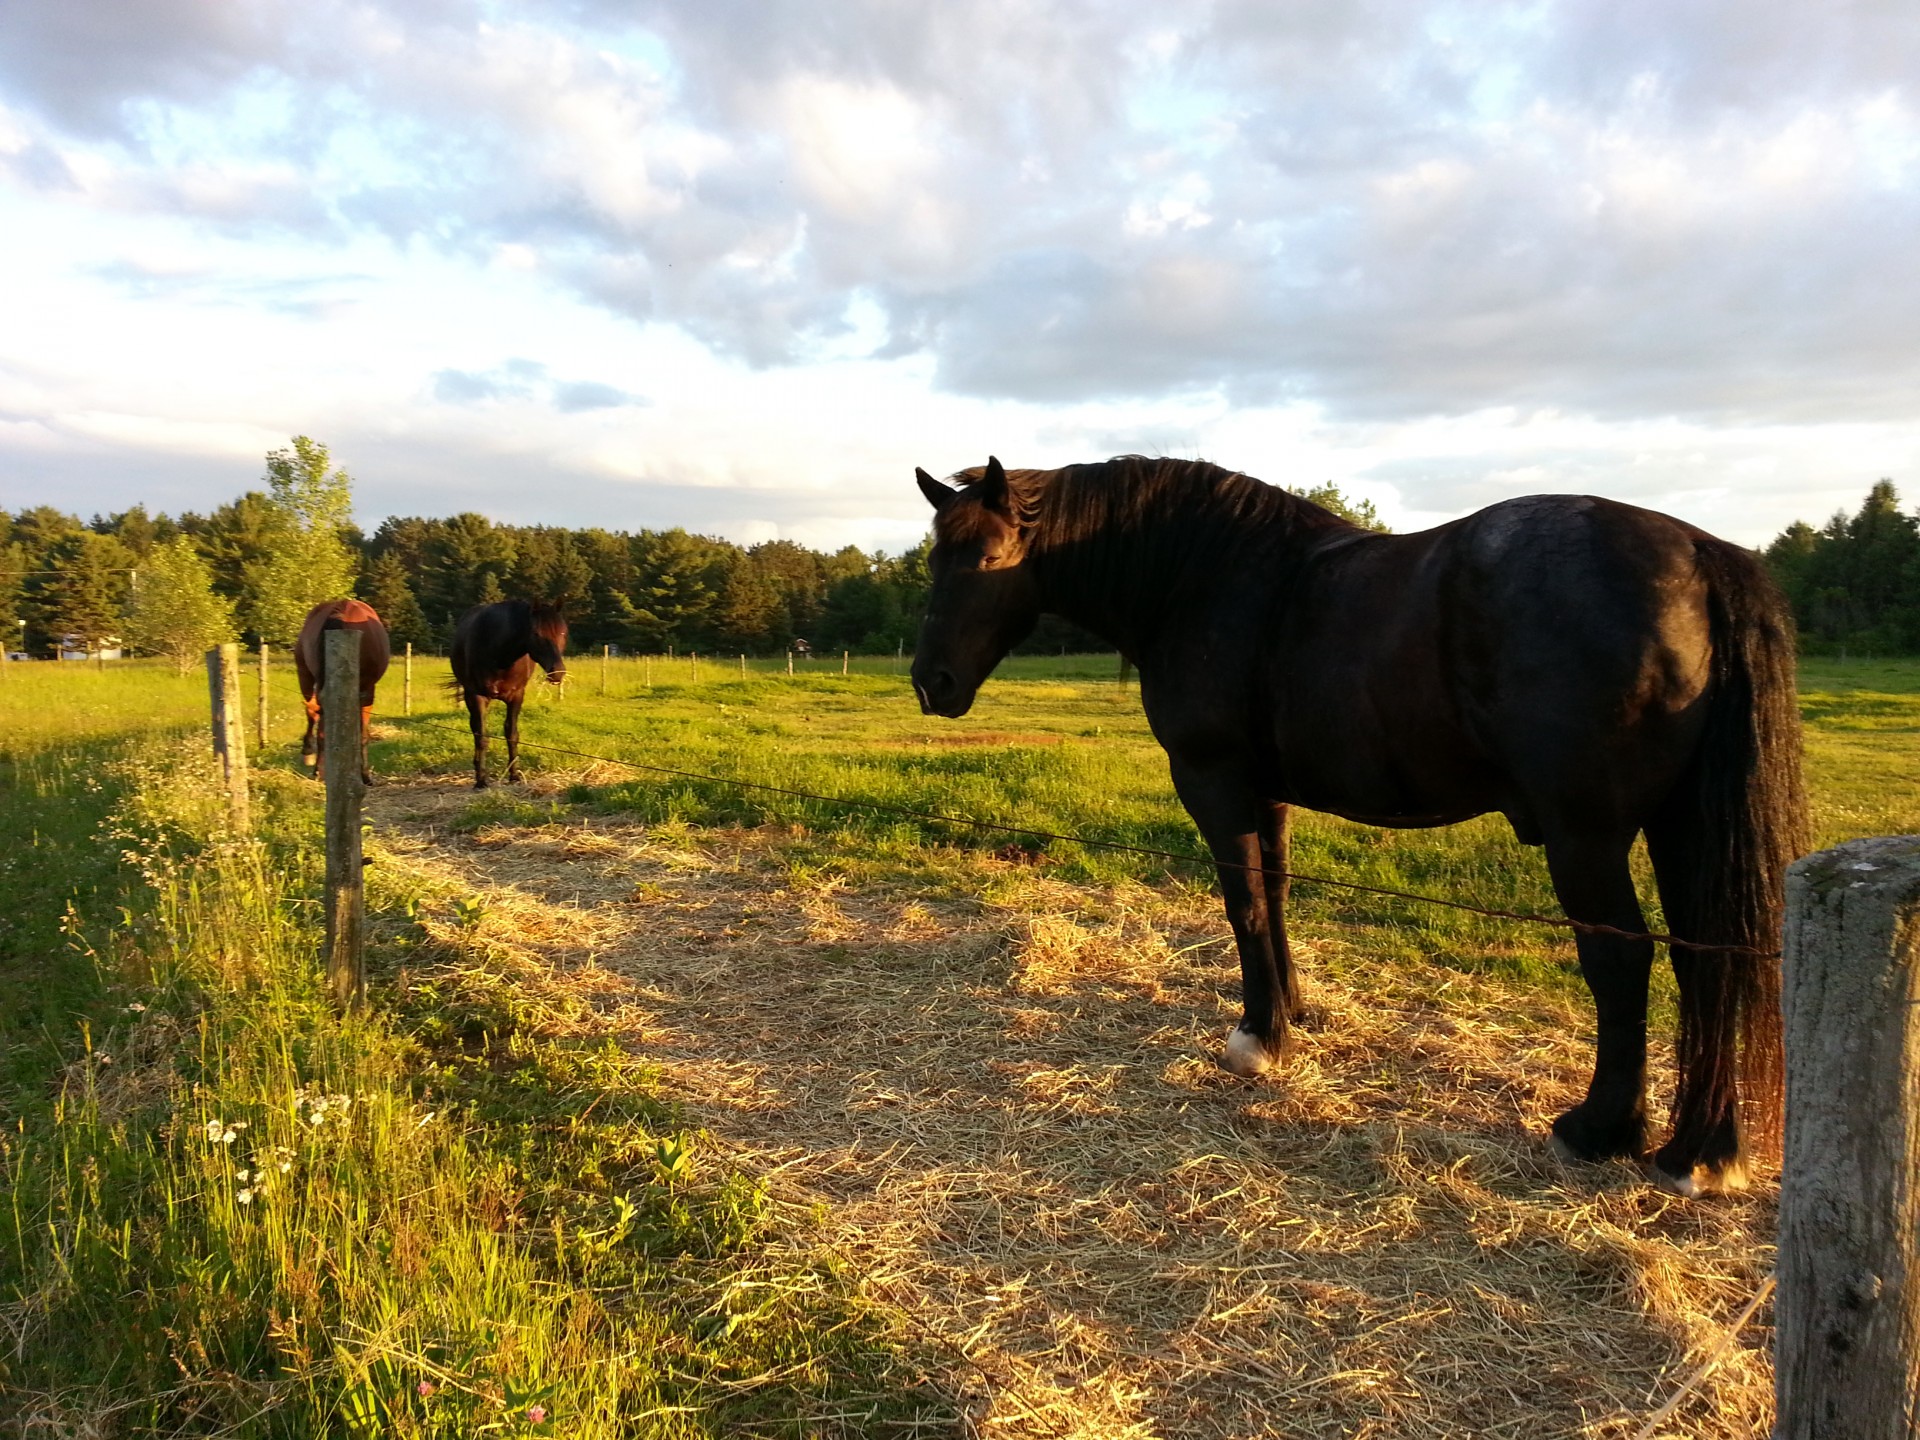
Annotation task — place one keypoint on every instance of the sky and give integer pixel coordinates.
(742, 266)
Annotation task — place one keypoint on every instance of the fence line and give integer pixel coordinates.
(1581, 927)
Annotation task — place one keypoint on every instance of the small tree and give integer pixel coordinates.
(174, 611)
(309, 505)
(1361, 512)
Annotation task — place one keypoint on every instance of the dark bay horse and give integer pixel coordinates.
(1590, 670)
(495, 649)
(309, 663)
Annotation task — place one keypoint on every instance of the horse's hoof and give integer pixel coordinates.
(369, 779)
(1246, 1055)
(1701, 1180)
(1565, 1153)
(513, 777)
(479, 784)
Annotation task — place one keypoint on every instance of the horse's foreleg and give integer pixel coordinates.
(513, 741)
(477, 720)
(1595, 885)
(1276, 842)
(1223, 805)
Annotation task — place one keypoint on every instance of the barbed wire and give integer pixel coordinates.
(1581, 927)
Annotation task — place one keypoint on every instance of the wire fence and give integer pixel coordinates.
(1556, 922)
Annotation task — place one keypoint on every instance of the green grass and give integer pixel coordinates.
(231, 1212)
(555, 1234)
(1061, 747)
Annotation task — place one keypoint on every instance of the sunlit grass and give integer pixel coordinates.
(504, 1216)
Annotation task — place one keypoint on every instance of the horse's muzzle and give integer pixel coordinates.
(940, 693)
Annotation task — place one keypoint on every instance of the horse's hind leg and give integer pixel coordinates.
(1276, 841)
(310, 742)
(1595, 885)
(1705, 1151)
(366, 726)
(477, 721)
(513, 741)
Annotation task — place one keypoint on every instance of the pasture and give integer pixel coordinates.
(684, 1109)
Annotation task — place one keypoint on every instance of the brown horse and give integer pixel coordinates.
(1591, 670)
(495, 649)
(309, 663)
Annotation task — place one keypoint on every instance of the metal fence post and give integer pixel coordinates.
(345, 884)
(1847, 1322)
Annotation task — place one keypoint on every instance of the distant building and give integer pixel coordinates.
(74, 647)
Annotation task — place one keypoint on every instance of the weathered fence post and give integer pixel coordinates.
(789, 662)
(1847, 1322)
(843, 662)
(345, 889)
(605, 651)
(229, 730)
(743, 664)
(260, 720)
(406, 682)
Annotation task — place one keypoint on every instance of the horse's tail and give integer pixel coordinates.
(1721, 849)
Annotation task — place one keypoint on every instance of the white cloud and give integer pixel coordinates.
(1439, 250)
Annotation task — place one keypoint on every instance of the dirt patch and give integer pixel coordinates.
(1011, 1120)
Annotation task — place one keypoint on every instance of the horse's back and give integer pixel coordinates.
(345, 613)
(1544, 646)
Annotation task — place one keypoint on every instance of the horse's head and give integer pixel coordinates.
(984, 600)
(548, 647)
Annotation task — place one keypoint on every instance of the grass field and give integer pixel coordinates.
(514, 1222)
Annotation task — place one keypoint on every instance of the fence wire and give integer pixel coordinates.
(1556, 922)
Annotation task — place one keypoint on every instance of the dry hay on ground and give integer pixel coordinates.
(1012, 1117)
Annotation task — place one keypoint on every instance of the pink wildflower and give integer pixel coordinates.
(537, 1414)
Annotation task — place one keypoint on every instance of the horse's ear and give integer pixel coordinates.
(939, 496)
(991, 487)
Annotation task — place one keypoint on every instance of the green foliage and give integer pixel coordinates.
(309, 506)
(1327, 496)
(174, 611)
(82, 599)
(1856, 582)
(384, 585)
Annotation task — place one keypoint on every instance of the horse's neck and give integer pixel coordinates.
(1150, 565)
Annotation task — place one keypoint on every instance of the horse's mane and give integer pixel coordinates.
(1188, 508)
(549, 619)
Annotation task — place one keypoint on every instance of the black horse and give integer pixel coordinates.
(494, 652)
(1591, 670)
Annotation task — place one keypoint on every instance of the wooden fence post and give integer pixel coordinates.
(346, 888)
(229, 730)
(789, 662)
(605, 651)
(1847, 1321)
(743, 664)
(406, 682)
(260, 721)
(843, 662)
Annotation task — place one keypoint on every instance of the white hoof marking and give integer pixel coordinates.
(1685, 1186)
(1245, 1056)
(1562, 1151)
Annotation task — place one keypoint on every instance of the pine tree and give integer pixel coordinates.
(174, 611)
(384, 586)
(83, 600)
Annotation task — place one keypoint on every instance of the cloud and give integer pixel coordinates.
(1621, 209)
(523, 379)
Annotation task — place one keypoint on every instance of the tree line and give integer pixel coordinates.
(1855, 582)
(176, 584)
